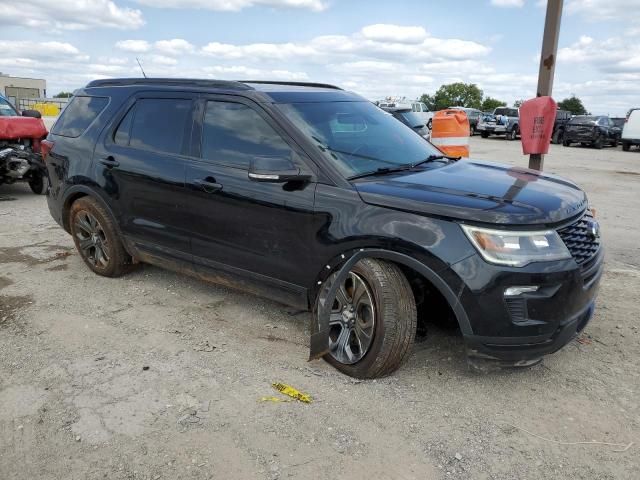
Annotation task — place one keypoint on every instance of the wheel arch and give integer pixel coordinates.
(320, 326)
(79, 191)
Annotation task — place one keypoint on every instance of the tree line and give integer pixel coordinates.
(469, 95)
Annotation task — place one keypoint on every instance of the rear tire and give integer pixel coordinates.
(96, 238)
(392, 327)
(626, 146)
(566, 143)
(513, 134)
(484, 134)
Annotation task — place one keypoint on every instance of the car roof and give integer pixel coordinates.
(261, 90)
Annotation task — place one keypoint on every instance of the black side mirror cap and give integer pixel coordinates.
(31, 113)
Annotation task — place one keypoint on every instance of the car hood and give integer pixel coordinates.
(478, 191)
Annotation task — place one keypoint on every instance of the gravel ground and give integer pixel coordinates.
(159, 376)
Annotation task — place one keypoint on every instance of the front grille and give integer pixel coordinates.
(580, 241)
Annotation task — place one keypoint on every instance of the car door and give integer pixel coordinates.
(140, 166)
(258, 232)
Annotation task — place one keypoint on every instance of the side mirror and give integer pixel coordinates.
(275, 170)
(31, 113)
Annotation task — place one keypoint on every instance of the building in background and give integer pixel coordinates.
(18, 88)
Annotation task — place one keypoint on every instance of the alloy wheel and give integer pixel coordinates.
(92, 241)
(352, 320)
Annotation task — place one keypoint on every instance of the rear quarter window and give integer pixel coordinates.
(78, 115)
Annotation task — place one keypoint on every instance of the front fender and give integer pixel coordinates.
(319, 341)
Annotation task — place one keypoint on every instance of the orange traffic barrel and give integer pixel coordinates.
(450, 132)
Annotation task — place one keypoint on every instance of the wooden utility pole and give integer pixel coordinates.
(548, 62)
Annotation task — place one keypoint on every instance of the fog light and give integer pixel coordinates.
(515, 291)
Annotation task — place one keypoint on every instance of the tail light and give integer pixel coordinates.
(45, 148)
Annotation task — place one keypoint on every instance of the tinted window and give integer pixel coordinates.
(6, 109)
(123, 132)
(509, 112)
(78, 115)
(159, 124)
(234, 133)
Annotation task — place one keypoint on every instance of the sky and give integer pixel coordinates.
(377, 48)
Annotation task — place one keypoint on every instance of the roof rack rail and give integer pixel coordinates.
(297, 84)
(114, 82)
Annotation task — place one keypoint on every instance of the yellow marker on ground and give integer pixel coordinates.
(292, 392)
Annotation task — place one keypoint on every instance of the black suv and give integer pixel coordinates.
(316, 198)
(591, 130)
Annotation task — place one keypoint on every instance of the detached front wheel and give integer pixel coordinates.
(373, 320)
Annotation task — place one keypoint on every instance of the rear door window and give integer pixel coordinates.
(233, 133)
(78, 115)
(158, 124)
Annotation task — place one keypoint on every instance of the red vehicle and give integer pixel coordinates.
(20, 144)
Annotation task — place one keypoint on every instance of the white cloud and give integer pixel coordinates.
(394, 33)
(235, 5)
(159, 60)
(599, 10)
(375, 42)
(508, 3)
(176, 46)
(69, 14)
(134, 46)
(249, 73)
(37, 50)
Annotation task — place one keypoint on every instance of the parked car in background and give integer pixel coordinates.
(503, 121)
(562, 117)
(411, 119)
(619, 122)
(397, 103)
(594, 130)
(631, 130)
(427, 115)
(473, 114)
(314, 197)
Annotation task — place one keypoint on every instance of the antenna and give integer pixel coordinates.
(141, 69)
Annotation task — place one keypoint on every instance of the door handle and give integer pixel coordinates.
(209, 184)
(109, 162)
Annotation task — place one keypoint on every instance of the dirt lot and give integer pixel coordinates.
(159, 376)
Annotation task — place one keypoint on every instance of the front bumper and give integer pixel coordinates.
(520, 330)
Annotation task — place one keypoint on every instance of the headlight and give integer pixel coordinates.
(515, 248)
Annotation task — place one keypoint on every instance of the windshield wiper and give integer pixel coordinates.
(402, 168)
(381, 171)
(432, 158)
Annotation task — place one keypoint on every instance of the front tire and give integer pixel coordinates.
(484, 134)
(513, 134)
(626, 146)
(39, 184)
(96, 238)
(373, 320)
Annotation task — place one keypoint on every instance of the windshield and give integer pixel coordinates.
(6, 109)
(358, 137)
(583, 119)
(412, 119)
